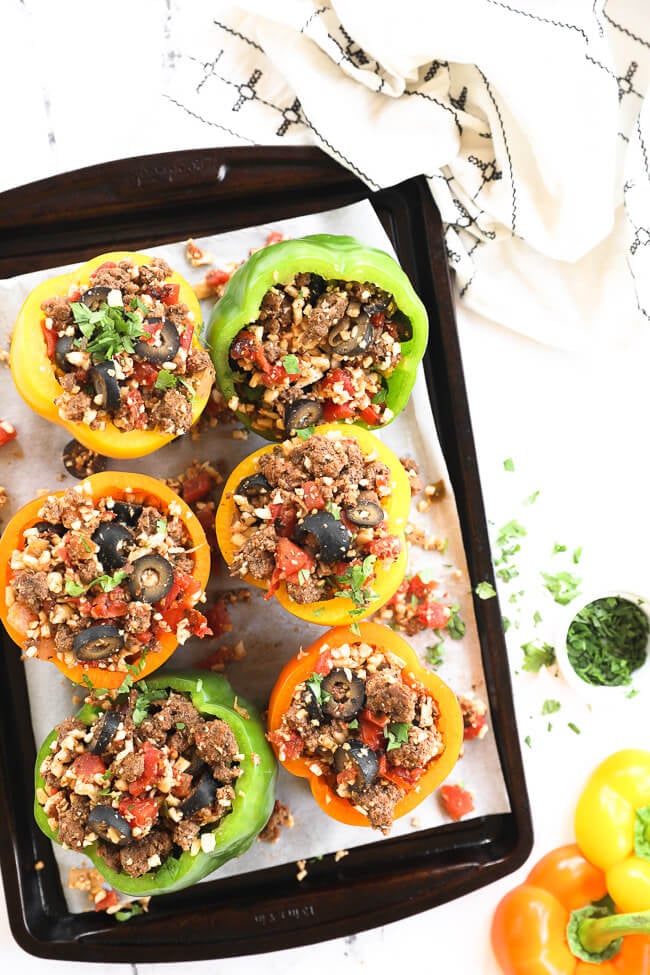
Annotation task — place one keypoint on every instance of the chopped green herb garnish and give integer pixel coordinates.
(303, 576)
(314, 685)
(558, 548)
(354, 627)
(512, 529)
(507, 573)
(608, 640)
(334, 509)
(353, 724)
(456, 626)
(108, 583)
(485, 590)
(73, 588)
(536, 657)
(305, 433)
(532, 498)
(506, 624)
(169, 380)
(574, 728)
(563, 586)
(426, 575)
(180, 725)
(353, 582)
(161, 526)
(397, 733)
(577, 555)
(107, 331)
(550, 706)
(508, 464)
(291, 365)
(537, 617)
(435, 654)
(527, 741)
(128, 912)
(379, 397)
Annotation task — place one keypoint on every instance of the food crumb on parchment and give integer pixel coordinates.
(302, 870)
(280, 817)
(39, 865)
(102, 897)
(415, 822)
(240, 434)
(340, 854)
(4, 497)
(223, 655)
(421, 539)
(413, 473)
(4, 357)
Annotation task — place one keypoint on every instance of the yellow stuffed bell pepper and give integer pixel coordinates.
(612, 826)
(318, 521)
(111, 352)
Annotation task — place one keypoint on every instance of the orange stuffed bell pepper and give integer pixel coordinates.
(370, 728)
(102, 578)
(111, 352)
(318, 521)
(560, 922)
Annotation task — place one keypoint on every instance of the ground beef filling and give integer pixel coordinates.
(312, 516)
(319, 350)
(147, 780)
(93, 579)
(371, 734)
(121, 349)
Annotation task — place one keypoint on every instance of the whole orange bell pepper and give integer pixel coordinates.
(135, 489)
(340, 609)
(310, 660)
(559, 922)
(35, 376)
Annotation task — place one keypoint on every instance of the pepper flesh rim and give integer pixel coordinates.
(339, 609)
(121, 486)
(35, 377)
(449, 725)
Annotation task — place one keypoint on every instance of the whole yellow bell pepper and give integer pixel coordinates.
(612, 826)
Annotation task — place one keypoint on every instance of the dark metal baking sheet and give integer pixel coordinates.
(151, 200)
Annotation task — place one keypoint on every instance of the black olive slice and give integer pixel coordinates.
(354, 754)
(331, 536)
(164, 346)
(253, 485)
(105, 385)
(80, 461)
(113, 540)
(105, 728)
(375, 306)
(127, 513)
(350, 336)
(343, 694)
(403, 325)
(152, 578)
(64, 344)
(47, 528)
(94, 298)
(311, 705)
(317, 286)
(366, 514)
(302, 413)
(109, 825)
(97, 642)
(204, 795)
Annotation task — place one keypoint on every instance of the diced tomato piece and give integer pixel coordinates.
(274, 375)
(289, 744)
(274, 237)
(420, 589)
(152, 769)
(109, 605)
(145, 637)
(374, 717)
(433, 615)
(246, 346)
(371, 416)
(86, 766)
(135, 406)
(324, 664)
(217, 276)
(336, 411)
(74, 296)
(138, 812)
(385, 546)
(151, 327)
(101, 266)
(474, 727)
(196, 488)
(218, 618)
(346, 776)
(167, 293)
(198, 623)
(290, 558)
(50, 339)
(339, 377)
(183, 586)
(144, 373)
(7, 432)
(458, 802)
(312, 496)
(400, 594)
(186, 337)
(110, 899)
(372, 734)
(284, 518)
(377, 319)
(403, 778)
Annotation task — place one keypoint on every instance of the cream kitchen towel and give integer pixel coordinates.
(528, 119)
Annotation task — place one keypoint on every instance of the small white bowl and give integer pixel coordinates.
(598, 692)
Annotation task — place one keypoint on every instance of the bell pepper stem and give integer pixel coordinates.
(596, 935)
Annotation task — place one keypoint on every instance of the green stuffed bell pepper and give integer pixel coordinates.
(163, 787)
(317, 329)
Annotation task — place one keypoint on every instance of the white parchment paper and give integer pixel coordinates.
(270, 634)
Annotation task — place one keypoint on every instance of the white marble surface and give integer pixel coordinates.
(573, 422)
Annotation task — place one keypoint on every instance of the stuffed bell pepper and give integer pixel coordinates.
(561, 922)
(162, 787)
(370, 728)
(319, 329)
(319, 521)
(103, 578)
(111, 352)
